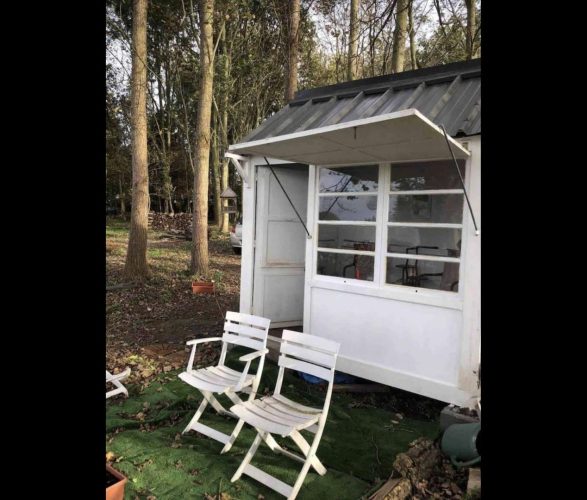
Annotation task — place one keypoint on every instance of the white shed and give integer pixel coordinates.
(387, 259)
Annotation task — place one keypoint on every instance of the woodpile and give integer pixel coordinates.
(423, 472)
(166, 222)
(175, 226)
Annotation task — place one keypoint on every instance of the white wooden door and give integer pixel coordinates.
(280, 245)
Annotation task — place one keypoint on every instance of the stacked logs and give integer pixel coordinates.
(165, 222)
(175, 226)
(422, 472)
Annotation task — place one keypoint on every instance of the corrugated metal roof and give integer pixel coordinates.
(448, 95)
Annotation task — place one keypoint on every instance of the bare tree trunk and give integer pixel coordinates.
(291, 80)
(398, 51)
(199, 264)
(216, 175)
(167, 186)
(352, 68)
(121, 195)
(412, 35)
(225, 221)
(136, 267)
(471, 29)
(224, 129)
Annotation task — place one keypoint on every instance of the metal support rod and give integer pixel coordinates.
(287, 196)
(461, 179)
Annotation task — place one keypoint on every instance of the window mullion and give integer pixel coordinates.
(381, 233)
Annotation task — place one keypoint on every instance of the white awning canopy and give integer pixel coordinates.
(401, 136)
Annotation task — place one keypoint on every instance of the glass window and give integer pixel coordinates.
(430, 175)
(353, 208)
(423, 273)
(357, 203)
(441, 242)
(417, 225)
(434, 208)
(349, 179)
(359, 267)
(423, 225)
(346, 237)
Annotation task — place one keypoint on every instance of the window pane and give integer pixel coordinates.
(424, 241)
(430, 175)
(359, 267)
(347, 237)
(423, 274)
(447, 208)
(363, 208)
(349, 179)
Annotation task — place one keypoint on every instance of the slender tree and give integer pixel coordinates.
(223, 118)
(412, 33)
(136, 267)
(291, 80)
(471, 29)
(199, 263)
(398, 53)
(352, 67)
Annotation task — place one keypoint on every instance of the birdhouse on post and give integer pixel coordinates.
(228, 198)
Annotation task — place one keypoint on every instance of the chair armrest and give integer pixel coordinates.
(118, 377)
(247, 358)
(194, 343)
(253, 355)
(201, 341)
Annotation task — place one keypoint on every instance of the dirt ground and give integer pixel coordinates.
(147, 325)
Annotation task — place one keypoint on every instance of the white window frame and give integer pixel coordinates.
(375, 224)
(379, 286)
(435, 225)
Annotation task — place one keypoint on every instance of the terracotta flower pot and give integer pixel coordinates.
(114, 491)
(202, 286)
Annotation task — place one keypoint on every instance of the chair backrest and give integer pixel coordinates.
(245, 330)
(308, 354)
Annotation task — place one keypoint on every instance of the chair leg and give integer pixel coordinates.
(305, 447)
(290, 492)
(247, 459)
(208, 399)
(300, 480)
(197, 415)
(214, 402)
(236, 400)
(233, 436)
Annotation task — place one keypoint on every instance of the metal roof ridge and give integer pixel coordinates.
(469, 68)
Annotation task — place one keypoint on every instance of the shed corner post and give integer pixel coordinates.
(249, 194)
(470, 356)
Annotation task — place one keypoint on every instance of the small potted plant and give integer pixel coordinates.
(115, 483)
(202, 285)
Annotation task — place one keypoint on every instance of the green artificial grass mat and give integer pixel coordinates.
(358, 447)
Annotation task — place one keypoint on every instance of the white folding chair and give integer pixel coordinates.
(277, 414)
(239, 329)
(116, 380)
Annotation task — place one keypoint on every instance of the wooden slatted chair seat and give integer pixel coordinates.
(215, 379)
(272, 415)
(239, 329)
(277, 414)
